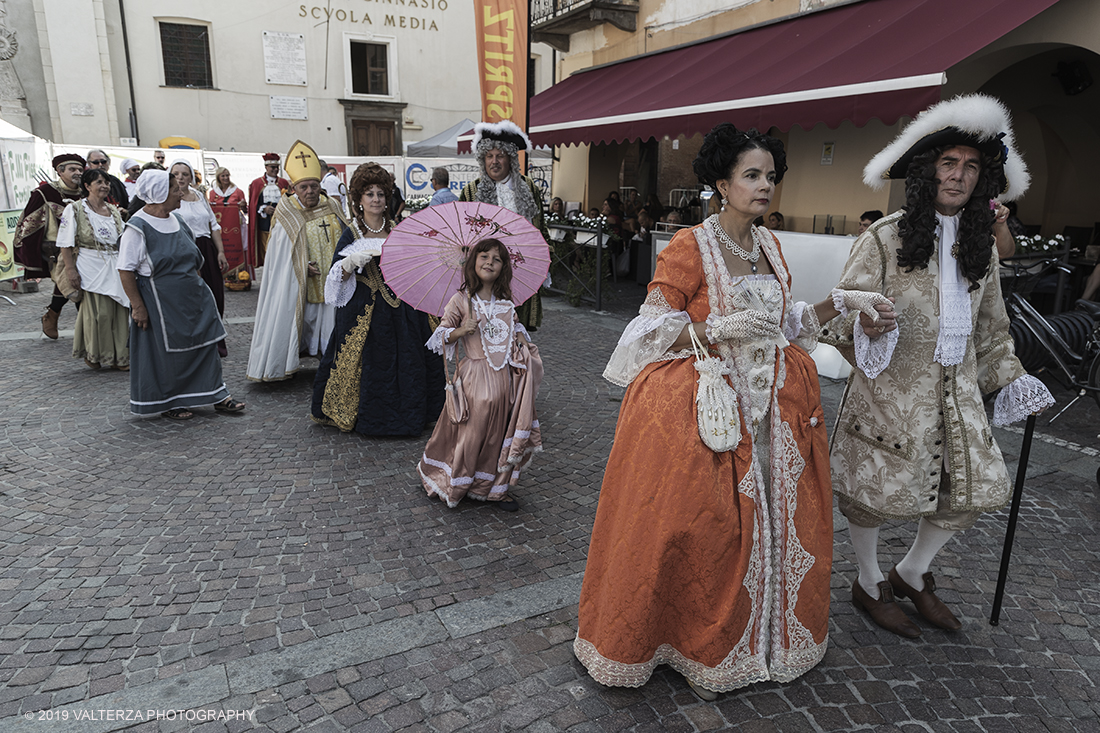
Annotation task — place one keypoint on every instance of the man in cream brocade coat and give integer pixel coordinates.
(912, 441)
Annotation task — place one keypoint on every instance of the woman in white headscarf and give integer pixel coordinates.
(174, 364)
(132, 169)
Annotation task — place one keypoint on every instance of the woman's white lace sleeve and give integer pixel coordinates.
(802, 326)
(1021, 397)
(645, 340)
(338, 289)
(873, 354)
(438, 342)
(519, 329)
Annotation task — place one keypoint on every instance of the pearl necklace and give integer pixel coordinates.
(379, 230)
(727, 241)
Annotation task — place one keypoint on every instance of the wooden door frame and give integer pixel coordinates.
(356, 110)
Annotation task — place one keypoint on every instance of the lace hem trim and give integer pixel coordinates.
(1022, 397)
(729, 675)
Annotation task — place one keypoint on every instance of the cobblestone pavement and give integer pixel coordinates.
(263, 564)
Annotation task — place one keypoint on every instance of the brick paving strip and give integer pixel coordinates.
(263, 564)
(211, 687)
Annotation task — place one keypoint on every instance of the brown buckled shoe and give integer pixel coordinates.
(884, 610)
(49, 323)
(931, 608)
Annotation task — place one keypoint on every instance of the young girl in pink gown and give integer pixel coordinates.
(482, 457)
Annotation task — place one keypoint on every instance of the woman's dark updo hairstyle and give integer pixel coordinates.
(90, 175)
(365, 176)
(917, 226)
(723, 147)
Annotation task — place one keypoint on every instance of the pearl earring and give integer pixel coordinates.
(724, 202)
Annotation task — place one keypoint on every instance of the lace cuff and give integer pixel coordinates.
(338, 289)
(802, 326)
(645, 340)
(519, 329)
(438, 342)
(712, 324)
(1022, 397)
(873, 354)
(838, 302)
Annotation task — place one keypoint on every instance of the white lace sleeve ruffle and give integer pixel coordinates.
(1020, 398)
(838, 302)
(338, 289)
(518, 329)
(438, 342)
(802, 326)
(645, 340)
(873, 354)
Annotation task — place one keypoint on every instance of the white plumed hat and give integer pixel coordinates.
(504, 131)
(975, 120)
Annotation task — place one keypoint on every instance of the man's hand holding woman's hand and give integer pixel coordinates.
(887, 319)
(876, 311)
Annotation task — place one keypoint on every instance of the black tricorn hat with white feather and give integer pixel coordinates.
(504, 131)
(974, 120)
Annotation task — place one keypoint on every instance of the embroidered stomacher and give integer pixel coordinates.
(495, 326)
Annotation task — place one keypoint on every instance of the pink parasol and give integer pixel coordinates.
(423, 256)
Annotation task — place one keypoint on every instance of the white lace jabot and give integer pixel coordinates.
(506, 196)
(955, 320)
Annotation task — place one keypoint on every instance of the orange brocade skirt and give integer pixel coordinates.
(691, 564)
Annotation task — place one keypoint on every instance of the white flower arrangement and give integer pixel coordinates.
(1038, 244)
(416, 203)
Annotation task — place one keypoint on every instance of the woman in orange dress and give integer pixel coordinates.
(717, 563)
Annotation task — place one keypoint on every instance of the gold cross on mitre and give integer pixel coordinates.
(302, 162)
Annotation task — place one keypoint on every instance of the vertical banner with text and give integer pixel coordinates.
(502, 59)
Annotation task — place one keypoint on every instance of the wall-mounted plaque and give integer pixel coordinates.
(289, 108)
(285, 58)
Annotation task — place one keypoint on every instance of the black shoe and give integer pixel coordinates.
(508, 505)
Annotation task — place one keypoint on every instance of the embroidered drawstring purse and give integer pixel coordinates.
(715, 400)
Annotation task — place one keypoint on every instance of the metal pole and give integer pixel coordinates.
(129, 72)
(527, 90)
(599, 268)
(1013, 515)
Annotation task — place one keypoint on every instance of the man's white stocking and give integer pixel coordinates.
(865, 544)
(930, 540)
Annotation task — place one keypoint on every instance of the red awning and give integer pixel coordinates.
(873, 59)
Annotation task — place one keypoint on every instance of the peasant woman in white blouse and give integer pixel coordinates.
(89, 234)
